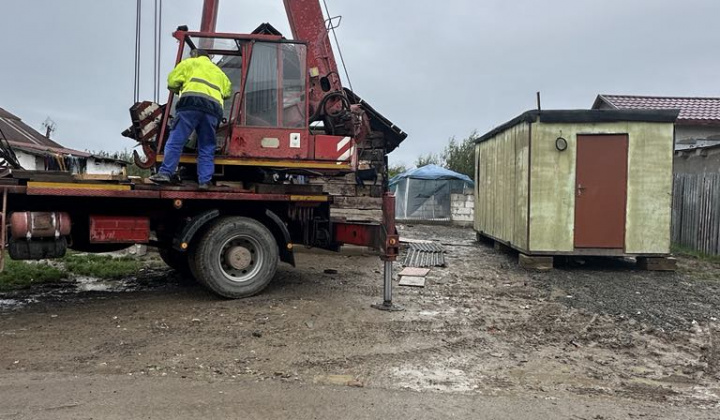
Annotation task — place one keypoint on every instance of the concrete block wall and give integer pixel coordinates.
(462, 209)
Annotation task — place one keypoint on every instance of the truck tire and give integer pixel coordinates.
(176, 260)
(236, 257)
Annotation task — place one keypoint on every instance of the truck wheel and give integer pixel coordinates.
(236, 257)
(176, 260)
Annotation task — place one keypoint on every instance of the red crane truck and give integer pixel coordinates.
(289, 122)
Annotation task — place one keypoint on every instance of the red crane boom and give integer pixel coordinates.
(307, 24)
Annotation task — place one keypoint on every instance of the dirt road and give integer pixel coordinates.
(586, 340)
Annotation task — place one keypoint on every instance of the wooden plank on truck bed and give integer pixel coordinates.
(288, 189)
(340, 189)
(355, 215)
(370, 190)
(100, 177)
(48, 176)
(360, 203)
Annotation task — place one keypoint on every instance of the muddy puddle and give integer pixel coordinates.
(78, 287)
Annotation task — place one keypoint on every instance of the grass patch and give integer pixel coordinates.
(689, 252)
(102, 266)
(23, 274)
(20, 274)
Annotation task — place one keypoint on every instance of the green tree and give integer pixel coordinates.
(429, 159)
(460, 156)
(396, 169)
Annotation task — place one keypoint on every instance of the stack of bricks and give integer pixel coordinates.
(462, 209)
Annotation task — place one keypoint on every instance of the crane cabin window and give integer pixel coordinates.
(226, 53)
(261, 91)
(293, 85)
(275, 93)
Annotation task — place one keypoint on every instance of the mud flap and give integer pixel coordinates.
(183, 238)
(282, 236)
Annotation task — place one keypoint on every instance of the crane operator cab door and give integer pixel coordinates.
(266, 116)
(228, 55)
(273, 121)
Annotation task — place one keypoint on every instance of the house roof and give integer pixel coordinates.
(562, 116)
(14, 129)
(693, 150)
(703, 111)
(23, 137)
(42, 150)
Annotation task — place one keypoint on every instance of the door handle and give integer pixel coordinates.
(580, 189)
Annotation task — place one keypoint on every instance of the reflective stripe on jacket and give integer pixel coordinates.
(200, 77)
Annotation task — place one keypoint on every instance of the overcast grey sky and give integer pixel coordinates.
(435, 68)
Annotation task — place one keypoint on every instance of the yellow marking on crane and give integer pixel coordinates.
(73, 185)
(308, 198)
(270, 163)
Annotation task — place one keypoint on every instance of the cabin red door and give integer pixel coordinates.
(601, 191)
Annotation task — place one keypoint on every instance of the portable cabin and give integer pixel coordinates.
(577, 182)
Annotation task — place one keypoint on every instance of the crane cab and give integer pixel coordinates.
(266, 121)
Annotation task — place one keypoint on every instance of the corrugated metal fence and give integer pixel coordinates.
(696, 212)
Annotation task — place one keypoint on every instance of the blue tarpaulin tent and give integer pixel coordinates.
(424, 193)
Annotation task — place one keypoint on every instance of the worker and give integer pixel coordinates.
(202, 87)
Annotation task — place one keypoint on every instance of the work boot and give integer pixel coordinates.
(160, 178)
(204, 186)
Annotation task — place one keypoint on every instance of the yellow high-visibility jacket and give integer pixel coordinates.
(200, 77)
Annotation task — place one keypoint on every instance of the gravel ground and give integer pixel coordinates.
(482, 326)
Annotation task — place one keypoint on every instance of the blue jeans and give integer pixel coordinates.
(185, 122)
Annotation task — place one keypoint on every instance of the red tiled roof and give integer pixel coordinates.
(692, 110)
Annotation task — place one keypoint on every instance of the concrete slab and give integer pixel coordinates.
(535, 262)
(414, 241)
(412, 281)
(414, 271)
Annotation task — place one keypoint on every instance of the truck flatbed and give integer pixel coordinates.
(52, 184)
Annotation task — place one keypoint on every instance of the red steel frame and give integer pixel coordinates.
(209, 15)
(380, 236)
(237, 131)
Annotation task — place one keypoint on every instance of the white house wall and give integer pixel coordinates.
(30, 162)
(97, 167)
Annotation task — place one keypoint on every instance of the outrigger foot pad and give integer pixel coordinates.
(388, 307)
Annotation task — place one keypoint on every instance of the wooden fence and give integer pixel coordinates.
(696, 212)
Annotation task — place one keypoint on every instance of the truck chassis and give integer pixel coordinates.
(229, 239)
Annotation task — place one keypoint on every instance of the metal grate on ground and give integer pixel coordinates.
(424, 255)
